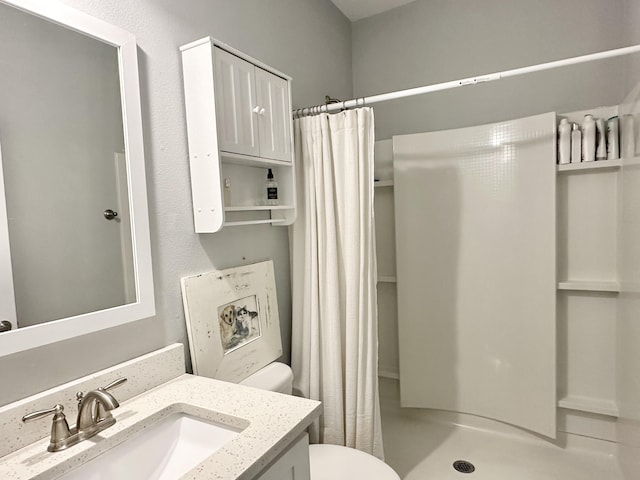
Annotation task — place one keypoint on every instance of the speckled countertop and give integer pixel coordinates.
(270, 422)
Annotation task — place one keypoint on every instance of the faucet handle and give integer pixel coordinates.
(102, 413)
(59, 429)
(114, 384)
(56, 409)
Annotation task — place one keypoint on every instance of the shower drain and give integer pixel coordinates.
(463, 466)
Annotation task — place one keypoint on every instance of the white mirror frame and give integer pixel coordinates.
(144, 307)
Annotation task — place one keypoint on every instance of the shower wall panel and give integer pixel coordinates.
(476, 270)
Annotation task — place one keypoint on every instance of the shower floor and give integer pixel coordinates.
(423, 444)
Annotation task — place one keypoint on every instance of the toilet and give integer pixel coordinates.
(327, 462)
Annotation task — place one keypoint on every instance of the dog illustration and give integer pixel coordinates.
(228, 325)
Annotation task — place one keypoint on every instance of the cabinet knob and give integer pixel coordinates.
(259, 110)
(256, 109)
(109, 214)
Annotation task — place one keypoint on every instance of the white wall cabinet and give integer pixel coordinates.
(239, 125)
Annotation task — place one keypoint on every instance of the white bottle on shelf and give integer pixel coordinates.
(601, 139)
(576, 144)
(627, 137)
(613, 139)
(564, 142)
(588, 139)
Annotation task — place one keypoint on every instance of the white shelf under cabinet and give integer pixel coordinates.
(248, 160)
(258, 208)
(588, 286)
(253, 222)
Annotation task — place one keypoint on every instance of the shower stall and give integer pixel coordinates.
(508, 303)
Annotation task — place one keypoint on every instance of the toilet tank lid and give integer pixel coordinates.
(276, 377)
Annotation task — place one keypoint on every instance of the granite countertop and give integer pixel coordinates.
(270, 422)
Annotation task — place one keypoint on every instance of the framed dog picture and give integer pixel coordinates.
(232, 321)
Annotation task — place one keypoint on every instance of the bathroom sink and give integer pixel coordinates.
(164, 451)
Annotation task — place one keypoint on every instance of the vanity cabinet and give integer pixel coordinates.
(239, 125)
(293, 464)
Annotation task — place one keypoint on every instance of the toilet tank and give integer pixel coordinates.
(276, 377)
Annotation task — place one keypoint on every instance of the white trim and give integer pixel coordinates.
(68, 17)
(237, 53)
(144, 307)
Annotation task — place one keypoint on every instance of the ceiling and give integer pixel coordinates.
(359, 9)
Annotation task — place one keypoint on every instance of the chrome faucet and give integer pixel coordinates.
(94, 415)
(94, 408)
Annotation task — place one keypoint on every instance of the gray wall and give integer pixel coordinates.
(431, 41)
(632, 37)
(307, 39)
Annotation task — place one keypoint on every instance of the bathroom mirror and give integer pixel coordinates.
(74, 233)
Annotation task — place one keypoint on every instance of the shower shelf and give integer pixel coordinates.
(387, 279)
(383, 183)
(590, 405)
(613, 287)
(600, 164)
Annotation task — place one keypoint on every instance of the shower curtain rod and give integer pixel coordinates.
(362, 101)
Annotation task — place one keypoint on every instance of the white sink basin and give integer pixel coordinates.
(164, 451)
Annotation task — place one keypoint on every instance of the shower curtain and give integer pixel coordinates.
(334, 331)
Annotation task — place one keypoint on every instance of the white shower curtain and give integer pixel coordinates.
(335, 340)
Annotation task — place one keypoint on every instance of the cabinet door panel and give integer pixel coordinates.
(293, 464)
(274, 121)
(235, 98)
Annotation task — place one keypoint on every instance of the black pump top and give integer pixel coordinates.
(270, 175)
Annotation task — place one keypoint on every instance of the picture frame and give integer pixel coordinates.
(232, 321)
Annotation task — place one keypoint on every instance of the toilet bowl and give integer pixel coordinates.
(327, 462)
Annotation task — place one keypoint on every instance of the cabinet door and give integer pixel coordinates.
(235, 99)
(293, 464)
(274, 119)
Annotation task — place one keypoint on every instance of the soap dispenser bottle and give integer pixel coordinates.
(271, 189)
